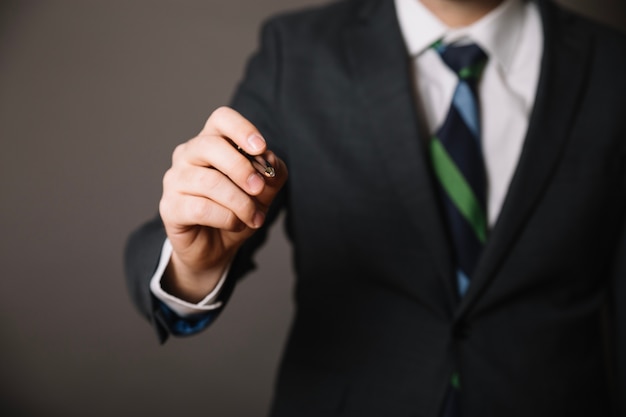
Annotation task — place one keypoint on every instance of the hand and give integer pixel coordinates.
(213, 200)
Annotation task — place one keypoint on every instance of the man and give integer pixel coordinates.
(485, 280)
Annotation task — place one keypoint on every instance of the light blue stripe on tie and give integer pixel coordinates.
(463, 282)
(465, 104)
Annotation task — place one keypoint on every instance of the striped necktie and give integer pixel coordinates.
(458, 162)
(459, 169)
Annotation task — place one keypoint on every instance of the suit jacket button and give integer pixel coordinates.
(461, 330)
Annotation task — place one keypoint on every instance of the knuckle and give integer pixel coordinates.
(173, 180)
(198, 176)
(178, 152)
(219, 112)
(203, 140)
(168, 178)
(165, 209)
(198, 209)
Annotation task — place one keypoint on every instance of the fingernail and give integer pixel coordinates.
(255, 182)
(259, 218)
(256, 142)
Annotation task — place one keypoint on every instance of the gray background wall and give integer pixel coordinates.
(94, 95)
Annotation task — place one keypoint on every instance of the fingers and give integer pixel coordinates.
(201, 196)
(216, 152)
(228, 123)
(212, 184)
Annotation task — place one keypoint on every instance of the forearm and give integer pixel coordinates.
(182, 307)
(191, 286)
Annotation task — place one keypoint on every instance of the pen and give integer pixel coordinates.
(259, 163)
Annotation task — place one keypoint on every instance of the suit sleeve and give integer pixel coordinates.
(618, 312)
(255, 98)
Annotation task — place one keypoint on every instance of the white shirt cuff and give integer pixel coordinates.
(181, 307)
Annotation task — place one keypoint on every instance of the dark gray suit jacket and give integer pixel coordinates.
(377, 330)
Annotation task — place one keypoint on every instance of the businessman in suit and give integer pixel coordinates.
(355, 104)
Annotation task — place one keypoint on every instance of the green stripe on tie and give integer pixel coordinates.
(457, 188)
(455, 381)
(473, 71)
(437, 44)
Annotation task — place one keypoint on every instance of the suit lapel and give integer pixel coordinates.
(381, 68)
(563, 71)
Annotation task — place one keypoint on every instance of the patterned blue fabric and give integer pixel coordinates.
(184, 326)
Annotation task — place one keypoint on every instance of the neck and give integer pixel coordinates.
(459, 13)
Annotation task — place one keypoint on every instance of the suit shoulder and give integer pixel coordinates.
(318, 22)
(605, 36)
(607, 46)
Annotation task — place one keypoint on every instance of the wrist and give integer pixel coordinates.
(190, 285)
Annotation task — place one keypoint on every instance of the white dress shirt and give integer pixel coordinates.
(511, 35)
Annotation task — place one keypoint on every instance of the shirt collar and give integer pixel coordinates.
(497, 33)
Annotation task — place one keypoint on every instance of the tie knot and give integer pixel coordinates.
(467, 61)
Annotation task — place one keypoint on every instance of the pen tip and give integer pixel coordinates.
(270, 172)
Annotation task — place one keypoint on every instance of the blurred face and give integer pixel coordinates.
(457, 13)
(484, 3)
